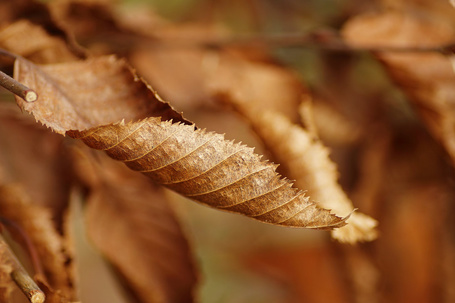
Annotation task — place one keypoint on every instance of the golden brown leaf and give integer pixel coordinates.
(306, 160)
(427, 78)
(206, 168)
(132, 224)
(195, 163)
(36, 221)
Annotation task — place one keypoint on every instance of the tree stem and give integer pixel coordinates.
(18, 274)
(19, 89)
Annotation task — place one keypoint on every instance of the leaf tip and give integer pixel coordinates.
(358, 228)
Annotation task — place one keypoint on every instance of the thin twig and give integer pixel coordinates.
(22, 237)
(17, 88)
(320, 39)
(19, 275)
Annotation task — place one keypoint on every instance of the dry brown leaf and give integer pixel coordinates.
(306, 160)
(362, 273)
(261, 84)
(43, 171)
(410, 244)
(427, 78)
(6, 284)
(157, 49)
(205, 74)
(43, 48)
(245, 74)
(106, 90)
(94, 24)
(195, 163)
(28, 29)
(206, 168)
(37, 222)
(311, 274)
(442, 10)
(329, 125)
(146, 244)
(409, 194)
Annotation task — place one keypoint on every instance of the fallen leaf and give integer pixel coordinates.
(129, 220)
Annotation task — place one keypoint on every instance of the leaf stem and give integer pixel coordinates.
(19, 275)
(17, 88)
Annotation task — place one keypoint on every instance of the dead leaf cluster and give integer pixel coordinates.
(340, 155)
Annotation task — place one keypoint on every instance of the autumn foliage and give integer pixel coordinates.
(345, 135)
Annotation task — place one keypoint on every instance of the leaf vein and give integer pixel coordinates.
(232, 183)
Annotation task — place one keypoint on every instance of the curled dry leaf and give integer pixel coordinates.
(37, 222)
(198, 164)
(146, 244)
(306, 160)
(427, 78)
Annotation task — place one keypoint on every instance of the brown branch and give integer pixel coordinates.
(12, 85)
(327, 40)
(28, 94)
(22, 237)
(18, 274)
